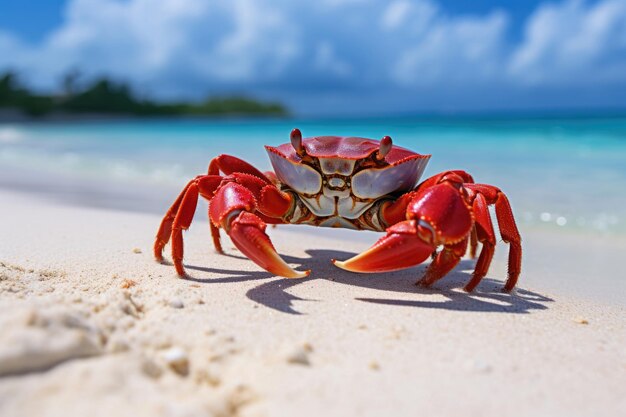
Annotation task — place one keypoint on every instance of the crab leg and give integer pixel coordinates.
(457, 175)
(230, 164)
(232, 208)
(444, 262)
(484, 232)
(510, 234)
(473, 243)
(165, 228)
(508, 229)
(207, 185)
(182, 221)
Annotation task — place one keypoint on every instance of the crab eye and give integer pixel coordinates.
(296, 141)
(385, 147)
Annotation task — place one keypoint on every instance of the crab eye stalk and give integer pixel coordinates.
(385, 147)
(296, 141)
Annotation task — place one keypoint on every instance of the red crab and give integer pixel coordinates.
(354, 183)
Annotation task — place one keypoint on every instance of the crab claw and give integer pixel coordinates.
(247, 231)
(406, 244)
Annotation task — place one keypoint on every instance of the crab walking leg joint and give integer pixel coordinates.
(355, 183)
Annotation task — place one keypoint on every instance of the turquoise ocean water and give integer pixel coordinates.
(561, 173)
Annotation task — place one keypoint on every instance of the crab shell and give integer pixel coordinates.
(400, 171)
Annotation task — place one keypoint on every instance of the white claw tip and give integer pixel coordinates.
(339, 264)
(298, 274)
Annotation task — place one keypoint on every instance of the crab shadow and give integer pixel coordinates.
(233, 276)
(488, 297)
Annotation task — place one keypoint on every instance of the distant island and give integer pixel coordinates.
(111, 98)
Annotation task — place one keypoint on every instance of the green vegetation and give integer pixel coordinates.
(104, 96)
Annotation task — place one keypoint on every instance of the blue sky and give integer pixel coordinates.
(333, 56)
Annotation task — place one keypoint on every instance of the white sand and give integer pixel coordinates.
(235, 340)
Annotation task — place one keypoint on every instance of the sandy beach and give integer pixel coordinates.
(92, 325)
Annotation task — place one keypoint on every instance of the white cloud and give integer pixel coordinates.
(396, 14)
(285, 49)
(151, 40)
(573, 42)
(412, 15)
(454, 51)
(326, 59)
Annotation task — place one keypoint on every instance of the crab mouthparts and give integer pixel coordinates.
(336, 182)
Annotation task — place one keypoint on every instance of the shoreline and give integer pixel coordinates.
(9, 117)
